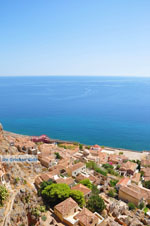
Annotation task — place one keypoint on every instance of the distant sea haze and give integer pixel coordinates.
(109, 111)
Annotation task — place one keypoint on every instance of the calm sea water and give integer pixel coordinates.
(111, 111)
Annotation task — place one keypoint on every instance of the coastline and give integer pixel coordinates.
(131, 154)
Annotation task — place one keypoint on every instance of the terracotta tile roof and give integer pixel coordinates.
(68, 181)
(136, 177)
(82, 188)
(131, 192)
(80, 177)
(38, 181)
(46, 160)
(128, 166)
(77, 166)
(123, 181)
(145, 162)
(66, 206)
(146, 171)
(46, 176)
(147, 178)
(141, 190)
(86, 217)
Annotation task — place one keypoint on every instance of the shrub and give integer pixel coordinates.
(87, 183)
(107, 166)
(96, 204)
(145, 210)
(93, 165)
(111, 193)
(113, 183)
(141, 205)
(16, 180)
(44, 218)
(3, 194)
(131, 206)
(146, 184)
(81, 147)
(58, 155)
(118, 167)
(42, 208)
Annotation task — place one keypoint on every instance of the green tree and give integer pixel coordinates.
(43, 185)
(87, 183)
(111, 193)
(78, 197)
(95, 190)
(118, 167)
(81, 147)
(131, 206)
(141, 205)
(113, 183)
(107, 166)
(3, 194)
(146, 184)
(58, 155)
(96, 204)
(55, 193)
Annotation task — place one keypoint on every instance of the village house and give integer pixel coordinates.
(136, 178)
(96, 147)
(66, 180)
(43, 138)
(141, 190)
(66, 210)
(45, 149)
(43, 177)
(95, 180)
(123, 182)
(69, 213)
(25, 145)
(85, 190)
(103, 158)
(75, 169)
(145, 163)
(95, 152)
(128, 194)
(38, 181)
(48, 161)
(146, 172)
(87, 218)
(128, 168)
(117, 159)
(135, 194)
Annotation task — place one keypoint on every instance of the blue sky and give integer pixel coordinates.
(75, 37)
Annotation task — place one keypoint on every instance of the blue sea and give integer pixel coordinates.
(110, 111)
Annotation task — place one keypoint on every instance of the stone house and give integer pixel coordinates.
(76, 169)
(67, 180)
(128, 168)
(87, 218)
(136, 178)
(85, 190)
(66, 210)
(70, 214)
(128, 194)
(48, 161)
(123, 182)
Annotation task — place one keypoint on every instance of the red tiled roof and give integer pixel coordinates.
(66, 206)
(82, 188)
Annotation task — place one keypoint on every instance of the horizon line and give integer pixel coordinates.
(140, 76)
